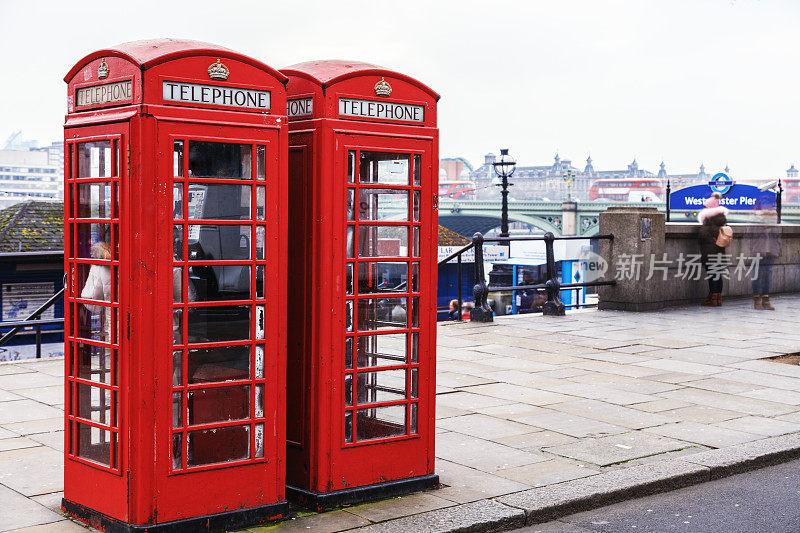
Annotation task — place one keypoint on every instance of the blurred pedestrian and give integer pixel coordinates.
(767, 244)
(713, 218)
(453, 314)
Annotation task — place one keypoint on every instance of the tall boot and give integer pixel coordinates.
(757, 302)
(765, 303)
(718, 299)
(709, 302)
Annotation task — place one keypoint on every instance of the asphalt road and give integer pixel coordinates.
(766, 500)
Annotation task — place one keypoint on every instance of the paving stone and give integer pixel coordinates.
(729, 402)
(511, 410)
(63, 526)
(600, 392)
(26, 410)
(322, 522)
(536, 441)
(32, 471)
(19, 511)
(452, 379)
(562, 373)
(678, 378)
(51, 500)
(747, 456)
(671, 365)
(465, 484)
(770, 367)
(53, 395)
(764, 380)
(791, 417)
(703, 414)
(520, 394)
(625, 383)
(6, 434)
(53, 366)
(635, 348)
(484, 426)
(614, 414)
(707, 435)
(14, 367)
(722, 385)
(42, 425)
(491, 515)
(17, 443)
(760, 426)
(664, 342)
(443, 411)
(547, 472)
(481, 454)
(616, 448)
(7, 396)
(398, 507)
(616, 368)
(468, 400)
(54, 439)
(572, 425)
(657, 406)
(28, 381)
(775, 395)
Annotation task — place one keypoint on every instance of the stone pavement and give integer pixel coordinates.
(528, 401)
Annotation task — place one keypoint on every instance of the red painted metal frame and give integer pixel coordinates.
(318, 458)
(140, 487)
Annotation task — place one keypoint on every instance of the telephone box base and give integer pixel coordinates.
(320, 501)
(212, 522)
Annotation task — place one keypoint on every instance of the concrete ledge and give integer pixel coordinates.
(748, 456)
(483, 515)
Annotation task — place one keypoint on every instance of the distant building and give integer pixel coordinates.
(34, 174)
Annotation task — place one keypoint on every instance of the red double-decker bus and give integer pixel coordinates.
(457, 190)
(620, 189)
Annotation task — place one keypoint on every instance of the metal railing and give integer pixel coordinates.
(33, 320)
(480, 290)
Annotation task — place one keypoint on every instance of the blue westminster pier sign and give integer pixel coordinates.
(735, 196)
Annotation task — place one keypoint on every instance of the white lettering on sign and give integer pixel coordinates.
(104, 94)
(300, 107)
(349, 107)
(196, 93)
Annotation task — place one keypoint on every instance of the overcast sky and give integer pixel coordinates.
(686, 81)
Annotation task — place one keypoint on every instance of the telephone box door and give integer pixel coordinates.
(223, 408)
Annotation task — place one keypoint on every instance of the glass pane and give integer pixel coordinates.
(351, 208)
(218, 445)
(415, 246)
(414, 379)
(383, 167)
(382, 204)
(177, 284)
(348, 352)
(94, 404)
(177, 159)
(415, 277)
(382, 277)
(219, 323)
(348, 315)
(383, 386)
(209, 283)
(177, 243)
(94, 160)
(94, 200)
(261, 162)
(416, 195)
(260, 240)
(177, 326)
(381, 350)
(417, 169)
(260, 281)
(348, 426)
(219, 160)
(383, 241)
(415, 312)
(349, 280)
(224, 363)
(382, 313)
(177, 409)
(209, 242)
(177, 368)
(351, 165)
(94, 322)
(219, 201)
(259, 361)
(349, 241)
(96, 282)
(261, 195)
(177, 455)
(94, 362)
(348, 390)
(413, 421)
(259, 318)
(381, 422)
(94, 241)
(259, 438)
(218, 404)
(177, 201)
(414, 348)
(259, 407)
(94, 444)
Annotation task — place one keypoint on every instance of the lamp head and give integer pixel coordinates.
(505, 164)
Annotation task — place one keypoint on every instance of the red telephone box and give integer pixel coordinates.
(174, 241)
(363, 158)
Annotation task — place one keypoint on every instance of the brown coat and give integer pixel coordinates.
(708, 233)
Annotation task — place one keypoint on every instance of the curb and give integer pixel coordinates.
(535, 506)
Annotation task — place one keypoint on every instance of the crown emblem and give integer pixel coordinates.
(382, 88)
(218, 71)
(102, 70)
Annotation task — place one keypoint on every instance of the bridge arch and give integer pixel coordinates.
(467, 222)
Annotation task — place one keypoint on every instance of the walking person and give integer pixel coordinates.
(767, 244)
(712, 219)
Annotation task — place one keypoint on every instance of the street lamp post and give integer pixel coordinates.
(504, 168)
(568, 180)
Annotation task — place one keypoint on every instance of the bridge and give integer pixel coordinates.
(468, 216)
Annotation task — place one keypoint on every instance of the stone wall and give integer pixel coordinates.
(643, 231)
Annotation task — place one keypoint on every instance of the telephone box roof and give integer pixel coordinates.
(150, 52)
(330, 71)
